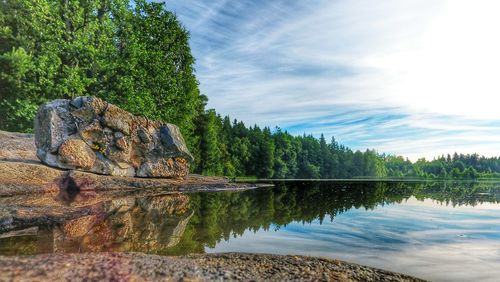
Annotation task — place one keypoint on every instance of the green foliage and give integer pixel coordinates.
(210, 162)
(236, 150)
(470, 166)
(133, 54)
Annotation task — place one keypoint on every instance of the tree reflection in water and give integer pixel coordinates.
(176, 224)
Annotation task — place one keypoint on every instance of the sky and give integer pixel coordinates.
(417, 78)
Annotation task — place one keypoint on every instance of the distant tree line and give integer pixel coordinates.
(232, 149)
(469, 166)
(136, 55)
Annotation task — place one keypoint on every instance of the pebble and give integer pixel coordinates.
(226, 266)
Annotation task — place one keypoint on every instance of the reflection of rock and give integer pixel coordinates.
(147, 224)
(14, 217)
(31, 231)
(90, 134)
(179, 230)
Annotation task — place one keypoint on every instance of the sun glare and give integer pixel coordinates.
(454, 69)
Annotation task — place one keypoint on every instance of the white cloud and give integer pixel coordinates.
(453, 67)
(431, 66)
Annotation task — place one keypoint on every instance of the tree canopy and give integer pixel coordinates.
(233, 149)
(133, 54)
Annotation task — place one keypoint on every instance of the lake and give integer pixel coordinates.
(439, 231)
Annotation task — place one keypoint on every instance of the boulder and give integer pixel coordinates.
(89, 134)
(75, 152)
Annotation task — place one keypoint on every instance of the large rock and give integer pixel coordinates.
(89, 134)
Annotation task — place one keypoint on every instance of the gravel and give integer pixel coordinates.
(209, 267)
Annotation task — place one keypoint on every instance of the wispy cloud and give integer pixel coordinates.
(416, 78)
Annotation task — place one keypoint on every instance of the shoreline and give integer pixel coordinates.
(21, 173)
(207, 267)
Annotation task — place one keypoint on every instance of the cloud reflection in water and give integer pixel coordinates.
(422, 238)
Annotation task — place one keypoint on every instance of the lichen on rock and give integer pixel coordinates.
(89, 134)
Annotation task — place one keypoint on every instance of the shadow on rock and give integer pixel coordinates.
(74, 190)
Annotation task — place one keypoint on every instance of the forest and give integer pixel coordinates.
(232, 149)
(136, 55)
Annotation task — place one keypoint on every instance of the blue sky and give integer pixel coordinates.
(415, 78)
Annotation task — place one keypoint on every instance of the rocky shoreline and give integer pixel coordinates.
(209, 267)
(33, 194)
(21, 173)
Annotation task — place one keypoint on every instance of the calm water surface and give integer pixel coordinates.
(436, 231)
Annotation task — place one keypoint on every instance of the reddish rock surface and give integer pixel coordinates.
(89, 134)
(212, 267)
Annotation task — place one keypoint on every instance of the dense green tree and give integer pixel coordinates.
(261, 163)
(211, 161)
(327, 159)
(285, 155)
(261, 153)
(374, 165)
(134, 54)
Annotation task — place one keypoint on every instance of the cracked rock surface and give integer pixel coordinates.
(89, 134)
